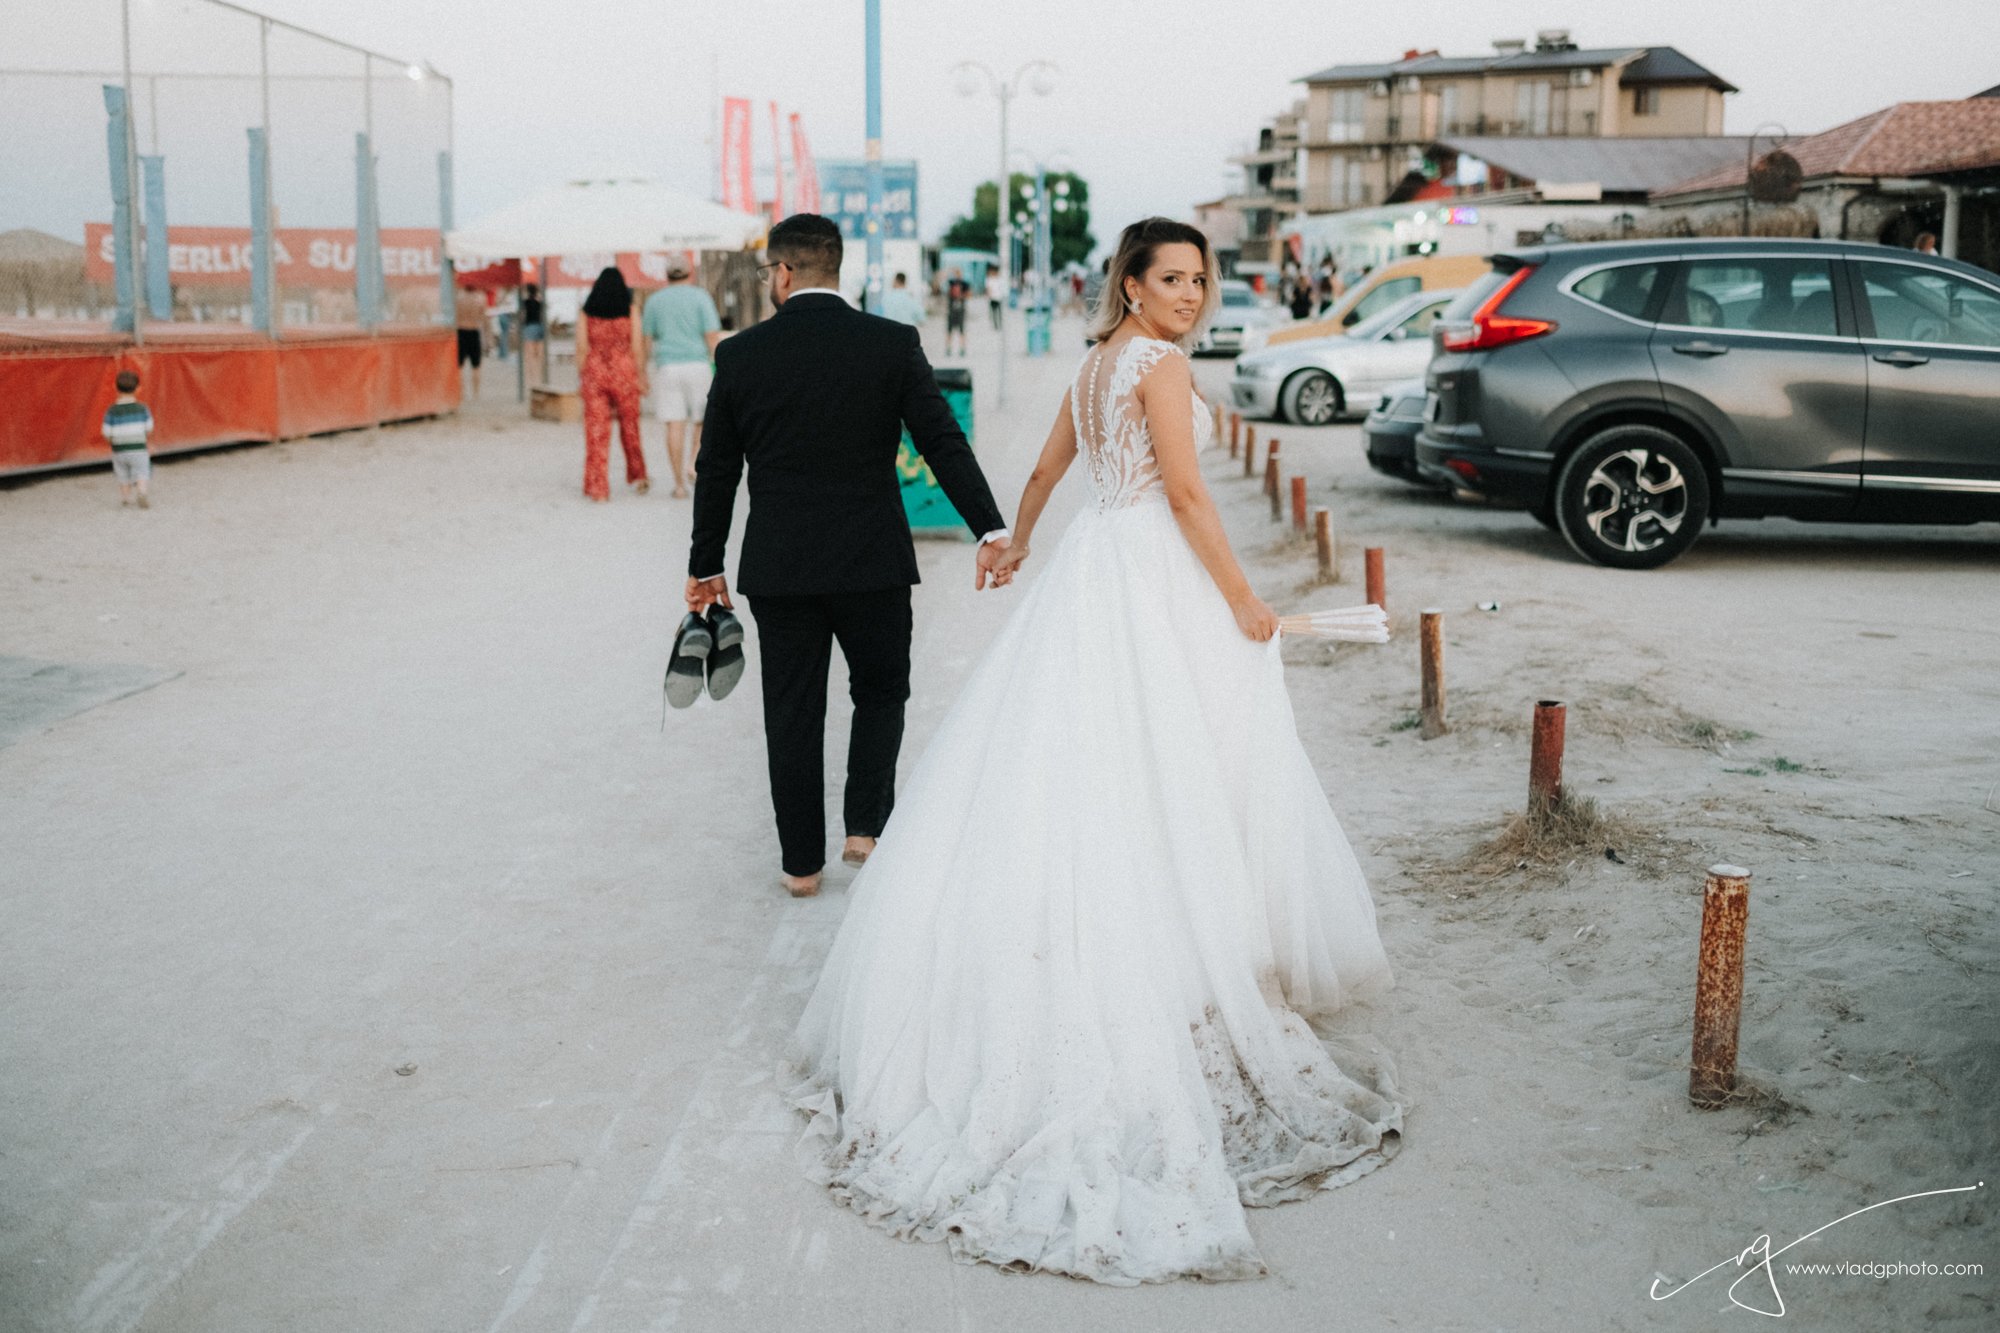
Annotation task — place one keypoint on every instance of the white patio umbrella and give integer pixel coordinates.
(600, 214)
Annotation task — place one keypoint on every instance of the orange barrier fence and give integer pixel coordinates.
(212, 391)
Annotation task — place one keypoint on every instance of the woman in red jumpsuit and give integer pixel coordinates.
(611, 377)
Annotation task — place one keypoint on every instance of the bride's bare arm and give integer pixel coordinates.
(1049, 469)
(1166, 395)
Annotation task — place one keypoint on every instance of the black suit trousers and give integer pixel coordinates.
(795, 648)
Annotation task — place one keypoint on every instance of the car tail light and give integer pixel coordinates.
(1488, 329)
(1463, 468)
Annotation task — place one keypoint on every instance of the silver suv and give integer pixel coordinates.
(1626, 392)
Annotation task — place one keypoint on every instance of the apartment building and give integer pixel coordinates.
(1269, 197)
(1365, 127)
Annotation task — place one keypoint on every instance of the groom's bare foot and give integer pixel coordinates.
(801, 886)
(857, 849)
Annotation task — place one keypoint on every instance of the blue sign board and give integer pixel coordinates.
(843, 196)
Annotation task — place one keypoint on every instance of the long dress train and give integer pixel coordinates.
(1063, 1023)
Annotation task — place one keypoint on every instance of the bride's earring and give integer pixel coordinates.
(1134, 306)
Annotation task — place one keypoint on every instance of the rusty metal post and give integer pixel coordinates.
(1545, 761)
(1377, 592)
(1271, 487)
(1249, 451)
(1298, 504)
(1323, 537)
(1718, 986)
(1431, 651)
(1235, 432)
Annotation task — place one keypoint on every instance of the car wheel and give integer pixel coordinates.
(1631, 497)
(1310, 399)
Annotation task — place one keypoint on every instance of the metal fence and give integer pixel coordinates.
(170, 163)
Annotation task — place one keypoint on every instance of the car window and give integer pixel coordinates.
(1418, 324)
(1921, 306)
(1238, 296)
(1383, 297)
(1625, 289)
(1766, 294)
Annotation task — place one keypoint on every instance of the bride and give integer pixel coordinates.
(1063, 1024)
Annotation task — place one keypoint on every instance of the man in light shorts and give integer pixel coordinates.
(682, 328)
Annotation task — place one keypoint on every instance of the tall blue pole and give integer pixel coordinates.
(123, 226)
(260, 231)
(874, 156)
(159, 284)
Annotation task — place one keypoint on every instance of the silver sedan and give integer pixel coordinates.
(1312, 383)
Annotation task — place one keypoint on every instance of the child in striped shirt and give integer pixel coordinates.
(127, 423)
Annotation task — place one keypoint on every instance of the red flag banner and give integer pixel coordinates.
(739, 189)
(805, 192)
(778, 209)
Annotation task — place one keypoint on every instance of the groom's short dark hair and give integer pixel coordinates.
(809, 243)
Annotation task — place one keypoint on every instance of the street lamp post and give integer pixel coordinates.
(1004, 90)
(872, 283)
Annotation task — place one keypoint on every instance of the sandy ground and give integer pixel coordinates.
(389, 966)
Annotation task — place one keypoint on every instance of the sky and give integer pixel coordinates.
(1149, 102)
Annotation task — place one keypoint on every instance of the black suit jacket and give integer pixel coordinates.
(814, 400)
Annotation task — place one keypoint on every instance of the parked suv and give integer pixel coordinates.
(1628, 391)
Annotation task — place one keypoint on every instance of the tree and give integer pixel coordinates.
(1069, 226)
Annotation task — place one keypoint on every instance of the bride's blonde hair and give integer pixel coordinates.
(1137, 246)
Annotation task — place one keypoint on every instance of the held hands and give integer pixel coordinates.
(703, 593)
(997, 560)
(1256, 620)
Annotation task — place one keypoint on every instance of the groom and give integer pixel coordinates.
(814, 400)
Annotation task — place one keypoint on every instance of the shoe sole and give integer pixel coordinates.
(725, 668)
(687, 669)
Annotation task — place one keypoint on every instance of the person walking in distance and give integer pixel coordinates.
(128, 424)
(903, 305)
(956, 292)
(1926, 243)
(611, 377)
(683, 327)
(469, 312)
(996, 295)
(534, 332)
(814, 401)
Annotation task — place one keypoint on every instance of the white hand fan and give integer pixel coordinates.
(1350, 624)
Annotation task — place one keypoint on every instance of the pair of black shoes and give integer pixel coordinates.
(708, 650)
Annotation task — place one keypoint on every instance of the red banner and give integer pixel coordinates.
(804, 172)
(778, 209)
(739, 188)
(318, 257)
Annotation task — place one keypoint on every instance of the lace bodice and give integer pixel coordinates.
(1111, 426)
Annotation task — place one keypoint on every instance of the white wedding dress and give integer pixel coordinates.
(1062, 1026)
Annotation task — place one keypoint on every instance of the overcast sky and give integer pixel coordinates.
(1150, 101)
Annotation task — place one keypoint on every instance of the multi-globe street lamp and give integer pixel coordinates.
(973, 76)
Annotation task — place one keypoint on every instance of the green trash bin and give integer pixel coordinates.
(923, 500)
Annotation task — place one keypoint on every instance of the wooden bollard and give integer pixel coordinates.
(1218, 421)
(1249, 451)
(1718, 985)
(1235, 432)
(1431, 650)
(1323, 538)
(1545, 761)
(1377, 593)
(1298, 504)
(1271, 483)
